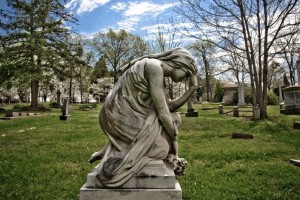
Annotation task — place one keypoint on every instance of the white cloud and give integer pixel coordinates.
(155, 29)
(146, 8)
(136, 11)
(119, 6)
(129, 23)
(85, 5)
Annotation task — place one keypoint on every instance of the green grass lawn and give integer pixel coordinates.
(44, 158)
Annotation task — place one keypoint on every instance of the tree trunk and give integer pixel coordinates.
(34, 93)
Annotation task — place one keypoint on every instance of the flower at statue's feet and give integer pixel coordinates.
(178, 164)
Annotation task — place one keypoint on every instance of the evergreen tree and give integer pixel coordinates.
(100, 70)
(35, 39)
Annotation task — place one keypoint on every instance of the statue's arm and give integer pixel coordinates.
(176, 103)
(154, 75)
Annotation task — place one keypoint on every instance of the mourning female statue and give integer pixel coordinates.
(137, 115)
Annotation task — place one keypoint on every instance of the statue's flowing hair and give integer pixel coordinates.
(172, 57)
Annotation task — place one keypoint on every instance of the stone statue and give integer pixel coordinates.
(138, 117)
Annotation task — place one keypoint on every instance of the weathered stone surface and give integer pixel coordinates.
(155, 180)
(229, 93)
(154, 175)
(131, 194)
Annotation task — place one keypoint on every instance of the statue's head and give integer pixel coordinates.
(179, 58)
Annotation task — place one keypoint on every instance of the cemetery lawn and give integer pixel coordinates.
(44, 158)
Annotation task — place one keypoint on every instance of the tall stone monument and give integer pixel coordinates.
(241, 94)
(292, 96)
(141, 159)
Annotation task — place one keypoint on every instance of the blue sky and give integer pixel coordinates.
(137, 17)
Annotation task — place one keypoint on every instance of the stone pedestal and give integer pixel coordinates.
(191, 112)
(154, 181)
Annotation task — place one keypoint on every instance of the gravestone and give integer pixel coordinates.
(65, 110)
(235, 111)
(221, 110)
(256, 113)
(230, 92)
(241, 94)
(191, 112)
(292, 96)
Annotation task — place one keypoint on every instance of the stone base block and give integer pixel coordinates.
(191, 114)
(153, 176)
(64, 117)
(131, 194)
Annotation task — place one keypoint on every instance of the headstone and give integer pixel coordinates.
(191, 112)
(256, 113)
(235, 111)
(221, 110)
(65, 110)
(241, 102)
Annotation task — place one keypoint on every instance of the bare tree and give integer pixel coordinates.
(165, 38)
(289, 48)
(251, 26)
(204, 51)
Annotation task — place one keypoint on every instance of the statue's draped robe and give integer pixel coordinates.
(129, 120)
